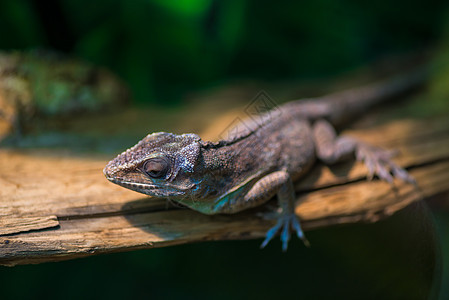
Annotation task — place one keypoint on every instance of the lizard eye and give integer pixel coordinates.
(155, 168)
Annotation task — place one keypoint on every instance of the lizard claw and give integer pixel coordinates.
(285, 221)
(379, 162)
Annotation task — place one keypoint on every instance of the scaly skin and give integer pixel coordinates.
(264, 160)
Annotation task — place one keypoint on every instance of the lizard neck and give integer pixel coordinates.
(234, 161)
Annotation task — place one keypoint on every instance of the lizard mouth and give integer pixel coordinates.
(148, 188)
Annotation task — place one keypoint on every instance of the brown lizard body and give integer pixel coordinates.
(264, 160)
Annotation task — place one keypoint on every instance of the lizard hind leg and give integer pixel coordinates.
(331, 148)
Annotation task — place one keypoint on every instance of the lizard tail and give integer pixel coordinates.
(341, 107)
(346, 105)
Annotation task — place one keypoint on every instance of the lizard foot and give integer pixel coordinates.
(379, 162)
(285, 221)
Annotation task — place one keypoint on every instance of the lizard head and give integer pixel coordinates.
(159, 165)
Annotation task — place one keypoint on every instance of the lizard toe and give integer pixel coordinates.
(379, 162)
(285, 222)
(271, 233)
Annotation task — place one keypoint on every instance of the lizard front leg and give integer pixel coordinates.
(331, 148)
(281, 184)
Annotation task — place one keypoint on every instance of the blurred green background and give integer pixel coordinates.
(165, 49)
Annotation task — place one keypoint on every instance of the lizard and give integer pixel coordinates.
(263, 160)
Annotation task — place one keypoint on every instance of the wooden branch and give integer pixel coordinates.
(56, 206)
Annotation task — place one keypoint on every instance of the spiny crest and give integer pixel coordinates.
(241, 131)
(182, 149)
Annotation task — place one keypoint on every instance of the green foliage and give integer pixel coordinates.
(165, 48)
(439, 84)
(19, 25)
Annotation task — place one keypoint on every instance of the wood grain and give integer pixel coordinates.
(13, 225)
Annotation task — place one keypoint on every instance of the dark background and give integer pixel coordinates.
(165, 49)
